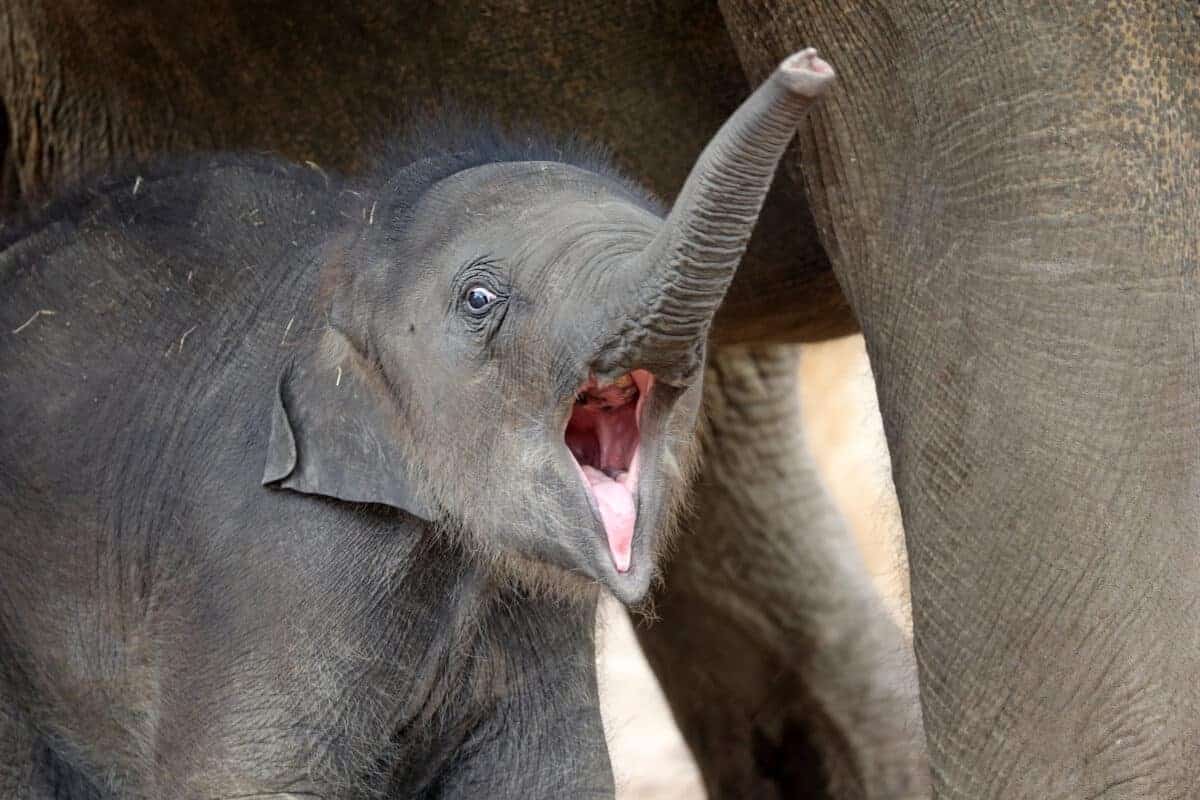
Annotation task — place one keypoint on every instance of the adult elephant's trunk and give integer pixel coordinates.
(681, 277)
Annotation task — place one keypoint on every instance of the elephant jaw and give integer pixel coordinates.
(603, 435)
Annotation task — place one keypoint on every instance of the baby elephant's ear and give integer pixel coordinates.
(334, 431)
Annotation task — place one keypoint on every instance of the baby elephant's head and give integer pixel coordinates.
(514, 344)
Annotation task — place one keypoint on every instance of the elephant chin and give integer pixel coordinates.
(603, 436)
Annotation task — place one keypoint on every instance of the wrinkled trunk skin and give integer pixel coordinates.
(784, 670)
(1010, 193)
(88, 85)
(679, 280)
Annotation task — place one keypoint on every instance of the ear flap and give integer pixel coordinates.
(333, 431)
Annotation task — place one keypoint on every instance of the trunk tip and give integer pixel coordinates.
(805, 73)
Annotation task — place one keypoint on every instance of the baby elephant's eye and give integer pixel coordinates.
(479, 299)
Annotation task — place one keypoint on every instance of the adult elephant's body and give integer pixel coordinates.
(1010, 193)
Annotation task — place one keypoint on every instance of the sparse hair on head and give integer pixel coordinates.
(436, 146)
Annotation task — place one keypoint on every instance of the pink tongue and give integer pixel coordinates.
(616, 511)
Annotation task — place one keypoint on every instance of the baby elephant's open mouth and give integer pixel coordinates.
(603, 435)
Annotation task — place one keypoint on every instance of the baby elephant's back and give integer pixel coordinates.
(142, 323)
(126, 306)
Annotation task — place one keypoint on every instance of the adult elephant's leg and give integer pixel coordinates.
(783, 670)
(1010, 193)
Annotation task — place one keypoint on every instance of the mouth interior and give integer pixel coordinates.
(604, 437)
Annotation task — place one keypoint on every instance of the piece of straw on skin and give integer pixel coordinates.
(40, 312)
(321, 172)
(183, 338)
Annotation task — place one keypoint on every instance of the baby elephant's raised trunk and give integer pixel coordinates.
(681, 277)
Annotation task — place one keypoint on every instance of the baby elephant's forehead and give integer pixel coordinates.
(520, 193)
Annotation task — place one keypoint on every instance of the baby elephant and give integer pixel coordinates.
(307, 490)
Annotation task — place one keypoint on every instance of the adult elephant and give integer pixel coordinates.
(1007, 193)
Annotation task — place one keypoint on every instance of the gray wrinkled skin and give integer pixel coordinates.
(405, 609)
